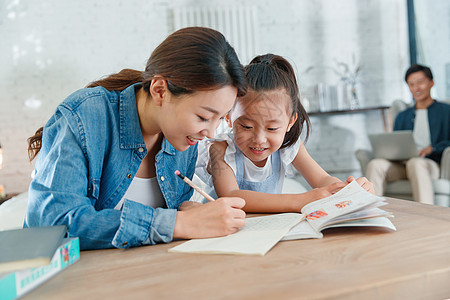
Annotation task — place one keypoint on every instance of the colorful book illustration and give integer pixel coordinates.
(16, 284)
(350, 207)
(29, 247)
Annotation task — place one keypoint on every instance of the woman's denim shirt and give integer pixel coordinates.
(92, 148)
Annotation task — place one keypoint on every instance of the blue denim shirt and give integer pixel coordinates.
(92, 148)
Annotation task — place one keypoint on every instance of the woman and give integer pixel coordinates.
(107, 156)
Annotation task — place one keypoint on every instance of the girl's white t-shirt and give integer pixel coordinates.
(251, 172)
(145, 191)
(421, 130)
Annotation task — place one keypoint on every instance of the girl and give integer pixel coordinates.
(267, 123)
(107, 156)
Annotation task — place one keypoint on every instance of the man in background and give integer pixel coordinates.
(430, 122)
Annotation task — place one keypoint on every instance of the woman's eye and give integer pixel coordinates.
(272, 129)
(202, 119)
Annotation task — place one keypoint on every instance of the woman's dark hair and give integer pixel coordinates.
(190, 59)
(418, 68)
(270, 72)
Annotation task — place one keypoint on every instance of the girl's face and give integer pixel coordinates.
(187, 119)
(260, 122)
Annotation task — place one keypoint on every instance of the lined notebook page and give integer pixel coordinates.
(258, 236)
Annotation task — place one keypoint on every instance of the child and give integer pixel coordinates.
(267, 123)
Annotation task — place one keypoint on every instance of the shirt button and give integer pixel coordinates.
(129, 176)
(141, 149)
(162, 178)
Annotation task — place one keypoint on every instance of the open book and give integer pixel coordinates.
(350, 207)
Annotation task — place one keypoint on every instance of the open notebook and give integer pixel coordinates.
(258, 236)
(351, 206)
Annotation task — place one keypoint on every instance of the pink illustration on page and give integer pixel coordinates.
(317, 214)
(343, 204)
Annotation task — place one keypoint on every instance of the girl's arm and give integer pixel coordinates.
(318, 177)
(226, 185)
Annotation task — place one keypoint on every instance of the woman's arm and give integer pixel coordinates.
(61, 192)
(226, 186)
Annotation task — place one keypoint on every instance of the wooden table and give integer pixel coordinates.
(361, 263)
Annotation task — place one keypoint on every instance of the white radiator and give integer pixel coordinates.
(238, 25)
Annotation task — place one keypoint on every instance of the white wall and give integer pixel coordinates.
(433, 42)
(50, 48)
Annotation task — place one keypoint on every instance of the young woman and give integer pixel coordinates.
(107, 156)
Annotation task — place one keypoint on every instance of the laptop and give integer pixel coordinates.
(395, 145)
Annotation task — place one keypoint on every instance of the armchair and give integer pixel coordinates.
(402, 188)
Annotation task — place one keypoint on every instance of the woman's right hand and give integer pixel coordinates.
(219, 218)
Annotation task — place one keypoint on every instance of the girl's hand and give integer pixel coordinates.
(325, 191)
(188, 205)
(219, 218)
(363, 182)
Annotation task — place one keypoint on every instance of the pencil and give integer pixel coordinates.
(188, 181)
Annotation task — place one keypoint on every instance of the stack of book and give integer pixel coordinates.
(30, 256)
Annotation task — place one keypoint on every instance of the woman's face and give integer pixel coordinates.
(187, 119)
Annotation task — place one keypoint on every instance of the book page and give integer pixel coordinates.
(302, 230)
(375, 221)
(362, 214)
(258, 236)
(349, 199)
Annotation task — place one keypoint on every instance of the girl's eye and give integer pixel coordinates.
(246, 127)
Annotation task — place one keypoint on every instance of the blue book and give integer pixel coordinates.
(29, 247)
(16, 284)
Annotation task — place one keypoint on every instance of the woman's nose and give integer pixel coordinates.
(210, 130)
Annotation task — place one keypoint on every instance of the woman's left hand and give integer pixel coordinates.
(363, 182)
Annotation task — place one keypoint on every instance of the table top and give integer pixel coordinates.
(348, 263)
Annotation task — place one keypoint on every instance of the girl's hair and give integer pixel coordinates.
(270, 72)
(190, 59)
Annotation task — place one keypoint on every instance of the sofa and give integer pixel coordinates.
(402, 189)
